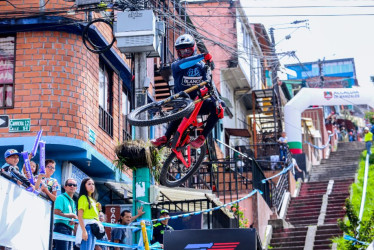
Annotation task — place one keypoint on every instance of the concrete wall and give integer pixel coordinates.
(261, 215)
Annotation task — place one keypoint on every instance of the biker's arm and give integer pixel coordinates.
(189, 61)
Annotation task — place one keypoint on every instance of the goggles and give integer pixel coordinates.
(186, 52)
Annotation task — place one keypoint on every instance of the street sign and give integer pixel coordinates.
(4, 121)
(92, 136)
(19, 125)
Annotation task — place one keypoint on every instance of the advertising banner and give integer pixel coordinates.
(24, 218)
(218, 239)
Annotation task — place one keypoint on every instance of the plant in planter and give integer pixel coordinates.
(239, 213)
(136, 154)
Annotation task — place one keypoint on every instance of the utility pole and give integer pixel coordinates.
(141, 89)
(274, 78)
(321, 76)
(274, 66)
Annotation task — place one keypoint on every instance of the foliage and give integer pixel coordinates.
(350, 225)
(352, 206)
(134, 154)
(239, 213)
(370, 116)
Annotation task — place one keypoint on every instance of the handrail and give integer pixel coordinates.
(363, 198)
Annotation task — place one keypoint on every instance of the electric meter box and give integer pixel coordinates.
(138, 31)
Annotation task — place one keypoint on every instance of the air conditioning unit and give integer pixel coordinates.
(139, 31)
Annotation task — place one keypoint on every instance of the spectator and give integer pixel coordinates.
(295, 165)
(368, 138)
(102, 218)
(88, 214)
(239, 163)
(11, 160)
(124, 235)
(46, 183)
(283, 147)
(160, 228)
(34, 170)
(65, 206)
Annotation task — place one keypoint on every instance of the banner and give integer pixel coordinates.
(24, 218)
(233, 239)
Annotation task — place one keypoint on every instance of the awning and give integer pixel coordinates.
(241, 132)
(167, 194)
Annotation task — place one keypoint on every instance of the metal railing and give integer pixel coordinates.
(213, 219)
(105, 121)
(279, 190)
(265, 188)
(224, 178)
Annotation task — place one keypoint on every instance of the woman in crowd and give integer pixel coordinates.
(88, 214)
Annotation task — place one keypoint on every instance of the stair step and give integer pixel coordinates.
(287, 240)
(288, 244)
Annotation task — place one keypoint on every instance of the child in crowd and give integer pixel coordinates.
(283, 147)
(102, 218)
(88, 214)
(12, 159)
(34, 170)
(46, 183)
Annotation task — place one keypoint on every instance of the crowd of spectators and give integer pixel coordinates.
(83, 219)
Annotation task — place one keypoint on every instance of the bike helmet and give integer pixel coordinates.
(185, 46)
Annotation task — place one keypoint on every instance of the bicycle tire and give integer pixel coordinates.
(192, 169)
(155, 113)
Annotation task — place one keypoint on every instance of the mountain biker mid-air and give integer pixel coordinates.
(188, 71)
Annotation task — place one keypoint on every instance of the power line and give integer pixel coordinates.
(290, 15)
(288, 7)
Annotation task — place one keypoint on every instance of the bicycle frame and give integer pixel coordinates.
(177, 144)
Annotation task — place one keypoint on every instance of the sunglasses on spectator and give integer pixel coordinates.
(50, 167)
(71, 185)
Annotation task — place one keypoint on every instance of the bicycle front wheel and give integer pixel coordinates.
(158, 112)
(174, 173)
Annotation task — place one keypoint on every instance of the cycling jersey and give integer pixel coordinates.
(188, 72)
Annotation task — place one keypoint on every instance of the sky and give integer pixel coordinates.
(327, 37)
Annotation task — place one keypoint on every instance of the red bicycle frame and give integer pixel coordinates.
(186, 122)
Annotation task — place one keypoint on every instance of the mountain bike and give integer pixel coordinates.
(183, 160)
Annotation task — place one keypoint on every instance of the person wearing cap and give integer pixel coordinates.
(160, 227)
(11, 160)
(368, 138)
(124, 235)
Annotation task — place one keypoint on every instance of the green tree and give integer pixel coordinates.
(370, 117)
(349, 227)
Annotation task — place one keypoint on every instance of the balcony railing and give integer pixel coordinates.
(105, 121)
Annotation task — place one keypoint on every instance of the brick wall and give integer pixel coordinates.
(57, 87)
(218, 28)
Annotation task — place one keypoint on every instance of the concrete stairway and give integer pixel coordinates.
(313, 214)
(341, 164)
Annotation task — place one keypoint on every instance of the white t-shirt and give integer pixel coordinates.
(283, 139)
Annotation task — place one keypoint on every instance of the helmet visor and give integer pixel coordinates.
(186, 52)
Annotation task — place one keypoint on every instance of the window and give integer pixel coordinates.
(125, 111)
(7, 62)
(105, 98)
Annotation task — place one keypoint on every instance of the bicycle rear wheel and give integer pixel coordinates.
(174, 172)
(158, 112)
